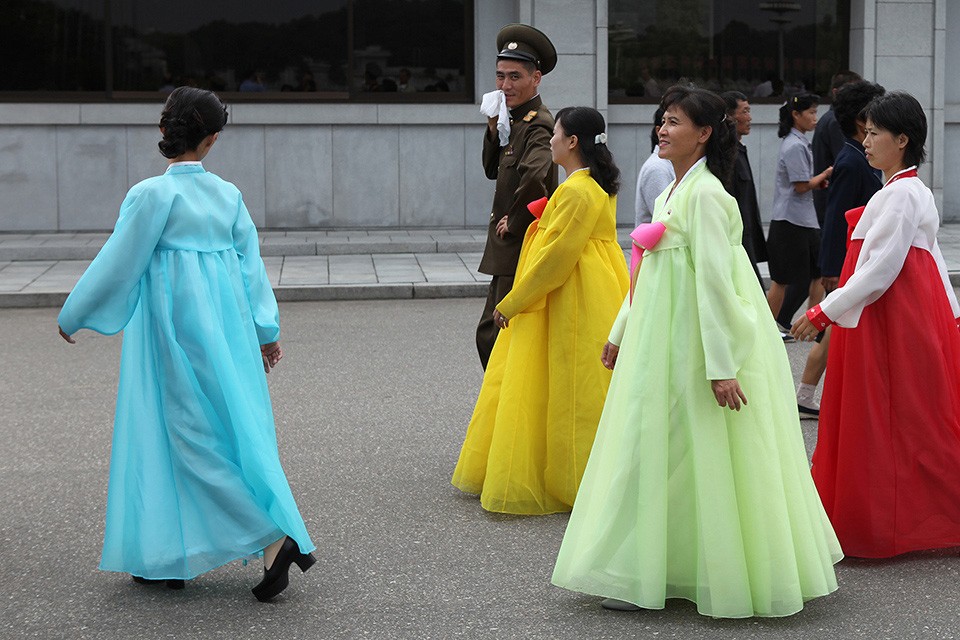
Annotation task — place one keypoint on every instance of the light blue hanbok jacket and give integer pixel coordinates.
(195, 475)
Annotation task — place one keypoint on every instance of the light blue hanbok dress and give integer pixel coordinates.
(195, 475)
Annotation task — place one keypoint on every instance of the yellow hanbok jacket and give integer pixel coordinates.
(535, 419)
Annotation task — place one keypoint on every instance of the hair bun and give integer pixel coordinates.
(189, 116)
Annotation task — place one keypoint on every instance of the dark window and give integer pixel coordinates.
(764, 49)
(345, 50)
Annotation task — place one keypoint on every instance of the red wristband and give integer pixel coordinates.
(818, 318)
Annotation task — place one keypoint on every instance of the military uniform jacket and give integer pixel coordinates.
(524, 172)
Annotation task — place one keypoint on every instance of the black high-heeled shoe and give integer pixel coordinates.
(171, 584)
(276, 579)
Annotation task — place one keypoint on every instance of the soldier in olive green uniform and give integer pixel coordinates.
(522, 168)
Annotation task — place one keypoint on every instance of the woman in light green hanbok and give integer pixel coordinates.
(698, 484)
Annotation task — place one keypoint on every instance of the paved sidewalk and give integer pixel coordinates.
(40, 269)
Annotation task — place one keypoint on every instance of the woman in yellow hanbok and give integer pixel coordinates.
(535, 419)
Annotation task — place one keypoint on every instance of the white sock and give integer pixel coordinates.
(806, 390)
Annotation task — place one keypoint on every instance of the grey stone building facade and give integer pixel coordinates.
(66, 166)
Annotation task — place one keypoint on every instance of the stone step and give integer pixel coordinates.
(85, 246)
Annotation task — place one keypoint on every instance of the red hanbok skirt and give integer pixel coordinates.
(887, 462)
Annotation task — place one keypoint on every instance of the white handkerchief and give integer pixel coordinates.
(494, 105)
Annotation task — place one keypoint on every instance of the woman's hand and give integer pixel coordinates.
(803, 329)
(728, 393)
(271, 353)
(609, 355)
(500, 320)
(66, 336)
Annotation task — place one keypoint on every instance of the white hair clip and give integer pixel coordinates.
(601, 138)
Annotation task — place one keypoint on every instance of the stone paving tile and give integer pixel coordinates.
(64, 241)
(95, 239)
(352, 269)
(471, 261)
(304, 270)
(62, 276)
(273, 265)
(24, 242)
(283, 240)
(444, 267)
(289, 259)
(397, 267)
(7, 237)
(17, 275)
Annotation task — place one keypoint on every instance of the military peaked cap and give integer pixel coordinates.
(523, 42)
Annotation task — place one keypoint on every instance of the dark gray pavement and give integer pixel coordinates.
(372, 401)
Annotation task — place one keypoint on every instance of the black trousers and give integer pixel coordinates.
(487, 331)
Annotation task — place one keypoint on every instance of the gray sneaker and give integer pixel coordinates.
(618, 605)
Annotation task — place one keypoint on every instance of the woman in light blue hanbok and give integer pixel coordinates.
(195, 475)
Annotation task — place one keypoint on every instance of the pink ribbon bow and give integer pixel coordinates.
(646, 236)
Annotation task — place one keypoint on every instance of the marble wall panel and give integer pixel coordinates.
(92, 176)
(763, 148)
(238, 157)
(299, 176)
(120, 113)
(261, 113)
(478, 189)
(951, 158)
(28, 178)
(432, 189)
(42, 114)
(627, 142)
(912, 74)
(143, 156)
(572, 84)
(570, 24)
(952, 48)
(904, 29)
(490, 16)
(366, 176)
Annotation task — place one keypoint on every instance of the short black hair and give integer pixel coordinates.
(900, 113)
(841, 78)
(851, 100)
(733, 99)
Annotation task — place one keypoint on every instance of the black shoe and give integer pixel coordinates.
(275, 579)
(171, 584)
(809, 411)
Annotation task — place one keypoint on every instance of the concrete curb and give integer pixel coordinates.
(400, 291)
(272, 248)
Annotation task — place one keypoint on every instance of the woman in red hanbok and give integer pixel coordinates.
(887, 462)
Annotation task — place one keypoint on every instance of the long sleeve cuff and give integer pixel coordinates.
(818, 318)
